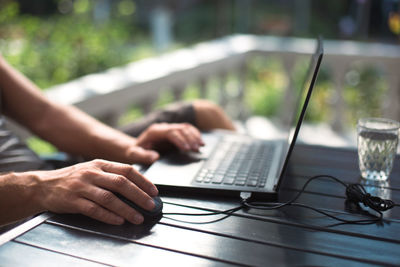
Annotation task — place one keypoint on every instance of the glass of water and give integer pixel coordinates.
(377, 145)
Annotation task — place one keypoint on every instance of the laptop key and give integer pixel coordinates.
(228, 180)
(254, 177)
(221, 171)
(243, 174)
(240, 182)
(199, 178)
(218, 178)
(231, 174)
(252, 183)
(208, 178)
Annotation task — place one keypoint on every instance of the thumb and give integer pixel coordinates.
(145, 156)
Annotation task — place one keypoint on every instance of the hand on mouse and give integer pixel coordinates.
(87, 188)
(184, 136)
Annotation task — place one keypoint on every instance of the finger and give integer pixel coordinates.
(178, 139)
(195, 135)
(143, 156)
(113, 204)
(136, 179)
(153, 133)
(195, 132)
(190, 138)
(120, 184)
(94, 211)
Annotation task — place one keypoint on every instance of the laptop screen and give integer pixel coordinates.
(300, 105)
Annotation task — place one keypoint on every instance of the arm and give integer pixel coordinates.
(83, 188)
(66, 127)
(75, 132)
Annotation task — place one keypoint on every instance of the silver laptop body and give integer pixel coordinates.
(231, 163)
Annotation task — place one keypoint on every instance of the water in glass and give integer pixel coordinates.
(376, 152)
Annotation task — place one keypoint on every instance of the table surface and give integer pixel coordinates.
(289, 236)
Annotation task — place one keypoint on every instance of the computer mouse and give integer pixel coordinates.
(148, 215)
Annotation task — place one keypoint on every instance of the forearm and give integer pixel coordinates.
(66, 127)
(21, 99)
(18, 198)
(75, 132)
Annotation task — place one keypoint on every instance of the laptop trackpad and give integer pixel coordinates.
(179, 168)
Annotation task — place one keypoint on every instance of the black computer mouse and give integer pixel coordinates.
(148, 215)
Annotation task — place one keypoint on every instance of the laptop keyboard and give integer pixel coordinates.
(238, 163)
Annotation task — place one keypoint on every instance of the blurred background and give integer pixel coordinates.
(54, 42)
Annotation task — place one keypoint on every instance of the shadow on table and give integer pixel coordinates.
(126, 230)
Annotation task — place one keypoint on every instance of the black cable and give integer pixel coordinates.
(202, 214)
(355, 193)
(227, 213)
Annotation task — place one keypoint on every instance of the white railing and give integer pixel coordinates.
(109, 94)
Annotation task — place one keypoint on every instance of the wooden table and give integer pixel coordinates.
(291, 236)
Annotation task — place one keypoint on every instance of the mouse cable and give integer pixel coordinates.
(227, 213)
(355, 193)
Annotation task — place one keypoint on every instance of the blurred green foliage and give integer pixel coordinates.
(266, 84)
(364, 92)
(58, 48)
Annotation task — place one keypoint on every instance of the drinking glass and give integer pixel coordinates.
(377, 145)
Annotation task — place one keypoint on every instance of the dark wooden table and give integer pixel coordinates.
(290, 236)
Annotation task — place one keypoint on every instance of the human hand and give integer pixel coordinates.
(137, 154)
(87, 188)
(183, 135)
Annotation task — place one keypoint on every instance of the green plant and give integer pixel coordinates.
(57, 48)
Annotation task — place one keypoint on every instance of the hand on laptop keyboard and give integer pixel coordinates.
(183, 135)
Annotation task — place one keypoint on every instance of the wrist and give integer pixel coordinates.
(18, 197)
(114, 145)
(31, 192)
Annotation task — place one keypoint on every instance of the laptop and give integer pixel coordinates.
(235, 164)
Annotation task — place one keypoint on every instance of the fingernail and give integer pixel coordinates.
(150, 204)
(154, 156)
(153, 191)
(138, 219)
(186, 146)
